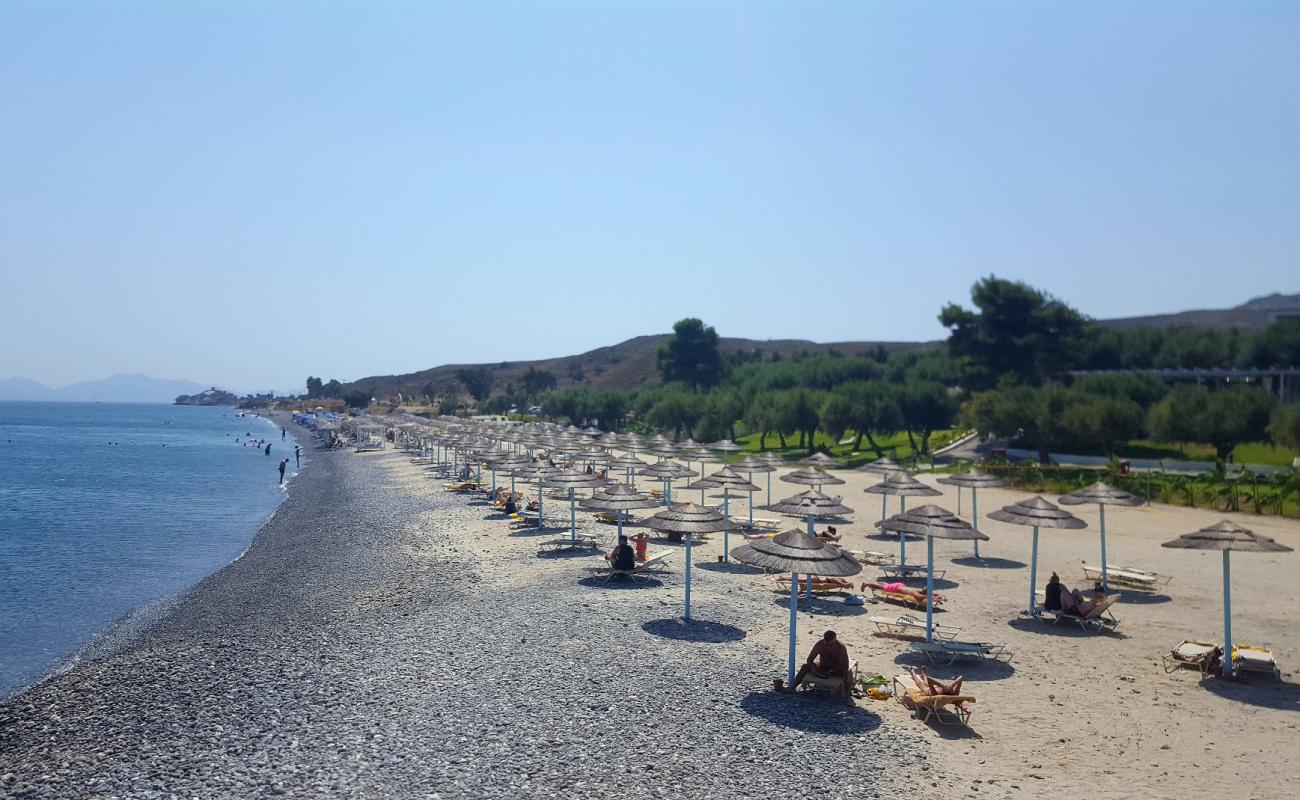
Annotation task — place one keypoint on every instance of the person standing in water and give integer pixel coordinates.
(297, 456)
(268, 449)
(283, 464)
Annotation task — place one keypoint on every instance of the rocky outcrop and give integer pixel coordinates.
(208, 397)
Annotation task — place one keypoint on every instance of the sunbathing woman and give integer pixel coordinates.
(1073, 602)
(931, 688)
(899, 588)
(821, 584)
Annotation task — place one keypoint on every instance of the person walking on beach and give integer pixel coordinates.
(268, 449)
(282, 433)
(283, 464)
(297, 456)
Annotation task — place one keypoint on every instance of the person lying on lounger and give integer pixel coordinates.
(899, 588)
(830, 534)
(821, 583)
(829, 659)
(929, 687)
(1074, 602)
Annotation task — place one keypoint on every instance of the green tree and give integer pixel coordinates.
(357, 398)
(1093, 422)
(1284, 426)
(764, 417)
(1224, 418)
(315, 387)
(1015, 331)
(926, 407)
(332, 389)
(691, 355)
(477, 381)
(535, 381)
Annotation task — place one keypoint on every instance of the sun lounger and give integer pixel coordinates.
(763, 524)
(524, 520)
(1191, 653)
(819, 584)
(873, 558)
(1252, 658)
(906, 626)
(812, 682)
(579, 542)
(1096, 621)
(944, 653)
(904, 599)
(653, 563)
(946, 709)
(1128, 577)
(902, 571)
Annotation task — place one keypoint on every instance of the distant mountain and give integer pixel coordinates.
(1253, 314)
(622, 366)
(116, 389)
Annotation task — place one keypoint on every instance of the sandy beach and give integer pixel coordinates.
(383, 637)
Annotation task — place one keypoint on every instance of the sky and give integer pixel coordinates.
(246, 194)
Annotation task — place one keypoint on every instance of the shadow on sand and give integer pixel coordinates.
(1066, 631)
(728, 567)
(1143, 598)
(696, 630)
(821, 606)
(559, 555)
(1260, 691)
(971, 670)
(619, 583)
(989, 562)
(811, 712)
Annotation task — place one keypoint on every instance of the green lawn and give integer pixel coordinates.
(1250, 453)
(845, 452)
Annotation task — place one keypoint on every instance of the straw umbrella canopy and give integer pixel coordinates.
(728, 479)
(811, 476)
(902, 485)
(932, 522)
(819, 459)
(572, 479)
(619, 498)
(1227, 536)
(689, 519)
(974, 480)
(1103, 494)
(750, 465)
(627, 463)
(1037, 513)
(799, 555)
(882, 466)
(667, 471)
(811, 505)
(725, 446)
(511, 464)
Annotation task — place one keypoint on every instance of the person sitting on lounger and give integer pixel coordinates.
(1073, 602)
(623, 558)
(900, 588)
(1052, 594)
(511, 505)
(929, 687)
(829, 659)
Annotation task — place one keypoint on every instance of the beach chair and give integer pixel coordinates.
(524, 520)
(873, 558)
(580, 542)
(1252, 658)
(1099, 620)
(1127, 577)
(1191, 653)
(653, 563)
(812, 682)
(902, 599)
(906, 626)
(946, 709)
(905, 571)
(946, 653)
(764, 524)
(819, 585)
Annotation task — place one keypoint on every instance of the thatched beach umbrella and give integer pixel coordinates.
(1037, 513)
(1227, 536)
(811, 476)
(728, 480)
(819, 459)
(539, 471)
(749, 465)
(619, 498)
(667, 471)
(902, 485)
(511, 464)
(882, 466)
(932, 522)
(628, 463)
(812, 505)
(689, 519)
(797, 554)
(1103, 495)
(974, 480)
(572, 479)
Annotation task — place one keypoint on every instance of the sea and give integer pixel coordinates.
(109, 511)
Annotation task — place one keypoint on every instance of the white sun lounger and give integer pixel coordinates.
(1251, 658)
(950, 652)
(653, 563)
(901, 571)
(873, 558)
(1190, 653)
(906, 626)
(1099, 620)
(1128, 577)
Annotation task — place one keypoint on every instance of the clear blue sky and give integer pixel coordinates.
(248, 193)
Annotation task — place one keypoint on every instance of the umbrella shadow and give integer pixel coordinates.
(989, 562)
(1144, 598)
(618, 583)
(695, 630)
(822, 606)
(811, 712)
(524, 533)
(1071, 631)
(939, 583)
(729, 567)
(559, 555)
(971, 670)
(1259, 691)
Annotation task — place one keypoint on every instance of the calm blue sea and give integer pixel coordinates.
(105, 508)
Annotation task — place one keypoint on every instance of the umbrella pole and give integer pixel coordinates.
(573, 518)
(1033, 572)
(959, 502)
(794, 624)
(929, 589)
(540, 522)
(726, 516)
(751, 504)
(618, 515)
(688, 577)
(668, 493)
(769, 488)
(902, 539)
(1227, 613)
(1105, 584)
(974, 516)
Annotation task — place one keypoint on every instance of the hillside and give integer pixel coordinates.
(621, 366)
(115, 389)
(1250, 315)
